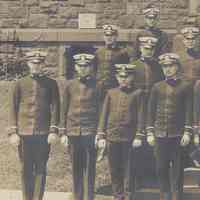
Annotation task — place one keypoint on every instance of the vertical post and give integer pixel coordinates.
(62, 61)
(193, 5)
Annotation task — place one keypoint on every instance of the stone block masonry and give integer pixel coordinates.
(55, 22)
(64, 13)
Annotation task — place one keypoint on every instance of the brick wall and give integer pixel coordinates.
(64, 13)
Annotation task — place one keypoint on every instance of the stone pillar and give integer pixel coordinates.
(62, 61)
(193, 5)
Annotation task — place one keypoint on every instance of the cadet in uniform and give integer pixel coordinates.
(169, 125)
(148, 72)
(148, 69)
(121, 121)
(33, 117)
(79, 125)
(151, 15)
(190, 53)
(108, 56)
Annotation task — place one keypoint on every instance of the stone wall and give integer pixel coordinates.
(64, 13)
(55, 22)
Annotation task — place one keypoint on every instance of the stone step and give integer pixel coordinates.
(153, 194)
(17, 195)
(144, 194)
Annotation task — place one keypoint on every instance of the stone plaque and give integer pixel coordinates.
(87, 20)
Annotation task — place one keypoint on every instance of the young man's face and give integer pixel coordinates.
(125, 81)
(191, 42)
(84, 70)
(35, 66)
(170, 70)
(110, 39)
(151, 22)
(147, 52)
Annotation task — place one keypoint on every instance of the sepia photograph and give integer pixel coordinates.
(100, 99)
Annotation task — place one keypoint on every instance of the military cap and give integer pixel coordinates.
(83, 58)
(110, 29)
(151, 11)
(168, 58)
(190, 32)
(191, 20)
(125, 69)
(148, 41)
(36, 55)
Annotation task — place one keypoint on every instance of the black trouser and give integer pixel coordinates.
(121, 170)
(83, 155)
(169, 162)
(33, 154)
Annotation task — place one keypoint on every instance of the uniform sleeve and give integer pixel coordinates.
(140, 114)
(165, 45)
(151, 110)
(104, 116)
(177, 43)
(189, 109)
(64, 111)
(131, 52)
(55, 108)
(101, 97)
(137, 47)
(196, 113)
(69, 64)
(14, 98)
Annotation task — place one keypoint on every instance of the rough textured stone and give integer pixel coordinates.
(57, 22)
(76, 2)
(38, 21)
(17, 12)
(64, 13)
(31, 2)
(55, 14)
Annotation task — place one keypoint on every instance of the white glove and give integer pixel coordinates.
(64, 140)
(97, 138)
(101, 147)
(185, 140)
(196, 163)
(52, 138)
(151, 139)
(196, 140)
(14, 140)
(136, 143)
(101, 144)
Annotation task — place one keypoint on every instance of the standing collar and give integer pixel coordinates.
(173, 81)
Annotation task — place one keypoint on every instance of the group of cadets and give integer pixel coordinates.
(113, 105)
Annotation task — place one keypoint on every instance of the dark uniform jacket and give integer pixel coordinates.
(80, 110)
(163, 45)
(148, 72)
(170, 109)
(190, 65)
(106, 59)
(122, 115)
(34, 106)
